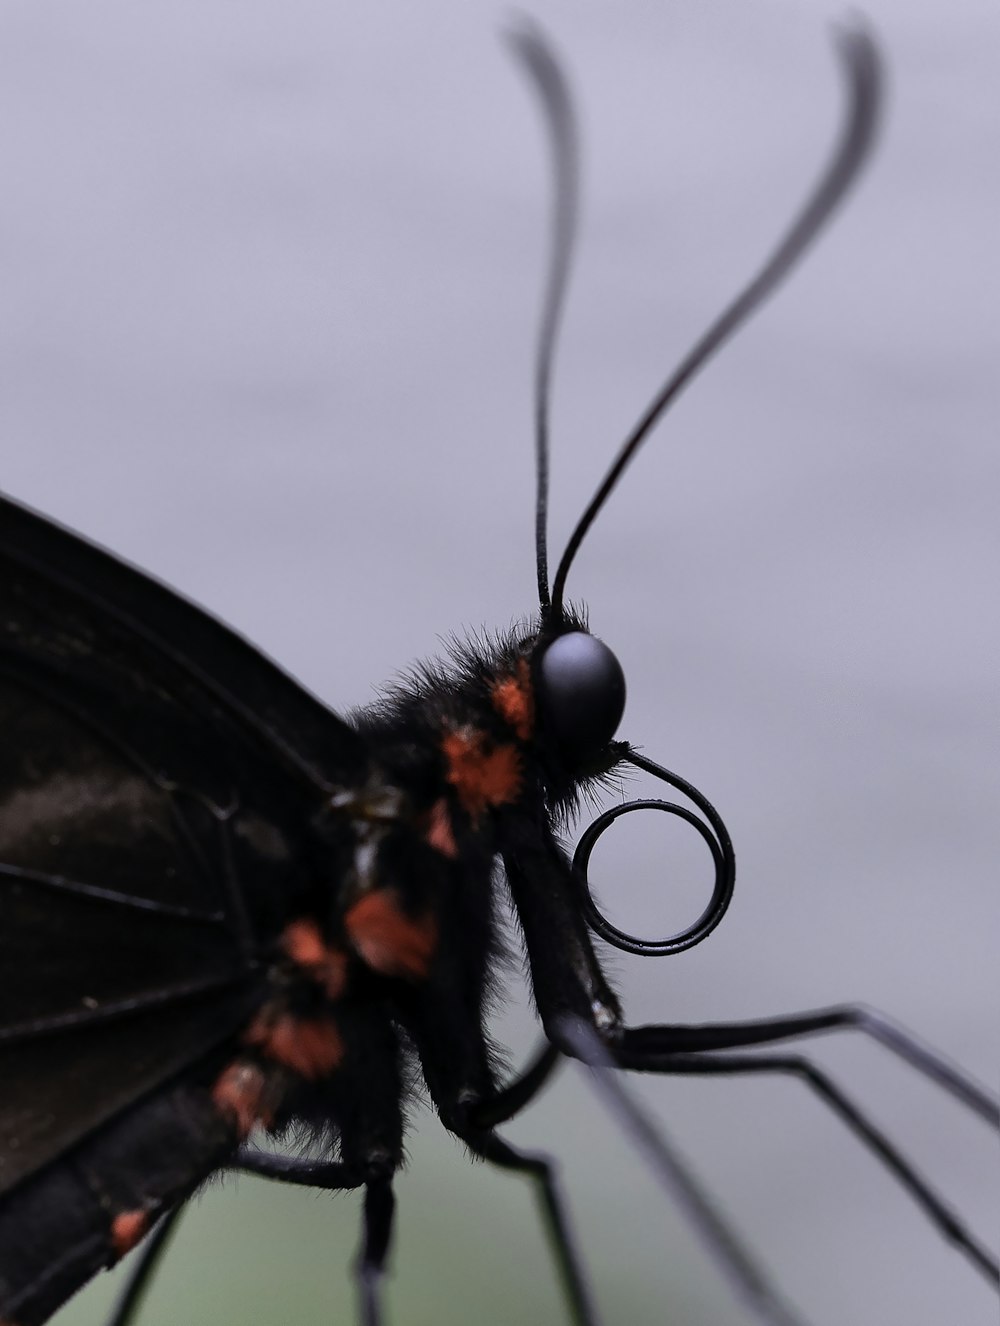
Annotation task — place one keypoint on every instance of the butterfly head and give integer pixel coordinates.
(580, 695)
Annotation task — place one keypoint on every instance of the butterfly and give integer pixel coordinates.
(229, 911)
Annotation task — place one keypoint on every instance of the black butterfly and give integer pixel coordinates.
(225, 909)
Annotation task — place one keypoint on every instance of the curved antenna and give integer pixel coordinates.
(862, 69)
(537, 58)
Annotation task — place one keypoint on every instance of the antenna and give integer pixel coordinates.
(862, 69)
(537, 58)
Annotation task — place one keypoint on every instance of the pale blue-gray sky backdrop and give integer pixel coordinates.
(269, 278)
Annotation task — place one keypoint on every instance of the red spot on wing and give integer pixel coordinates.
(327, 966)
(439, 834)
(127, 1229)
(310, 1047)
(514, 700)
(239, 1094)
(388, 940)
(480, 775)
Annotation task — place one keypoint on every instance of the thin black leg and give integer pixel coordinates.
(749, 1282)
(333, 1176)
(519, 1092)
(542, 1170)
(147, 1261)
(846, 1017)
(945, 1220)
(380, 1205)
(283, 1169)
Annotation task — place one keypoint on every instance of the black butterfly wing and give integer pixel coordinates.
(158, 782)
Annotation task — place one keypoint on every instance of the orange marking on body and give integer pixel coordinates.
(327, 966)
(127, 1229)
(514, 700)
(303, 942)
(387, 940)
(481, 777)
(439, 833)
(310, 1047)
(238, 1094)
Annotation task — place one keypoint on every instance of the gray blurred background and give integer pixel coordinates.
(268, 285)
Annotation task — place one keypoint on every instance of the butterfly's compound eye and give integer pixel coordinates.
(581, 692)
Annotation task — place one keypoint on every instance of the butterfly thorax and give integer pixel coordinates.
(461, 771)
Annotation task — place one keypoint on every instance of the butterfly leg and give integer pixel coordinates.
(947, 1222)
(503, 1105)
(521, 1090)
(748, 1281)
(572, 994)
(443, 1016)
(690, 1050)
(148, 1259)
(328, 1176)
(541, 1169)
(668, 1039)
(468, 1107)
(380, 1205)
(584, 1044)
(336, 1176)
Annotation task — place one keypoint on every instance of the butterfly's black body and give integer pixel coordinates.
(226, 911)
(213, 882)
(181, 828)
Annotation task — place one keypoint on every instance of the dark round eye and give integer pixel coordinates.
(581, 693)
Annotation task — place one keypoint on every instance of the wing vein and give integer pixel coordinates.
(118, 1009)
